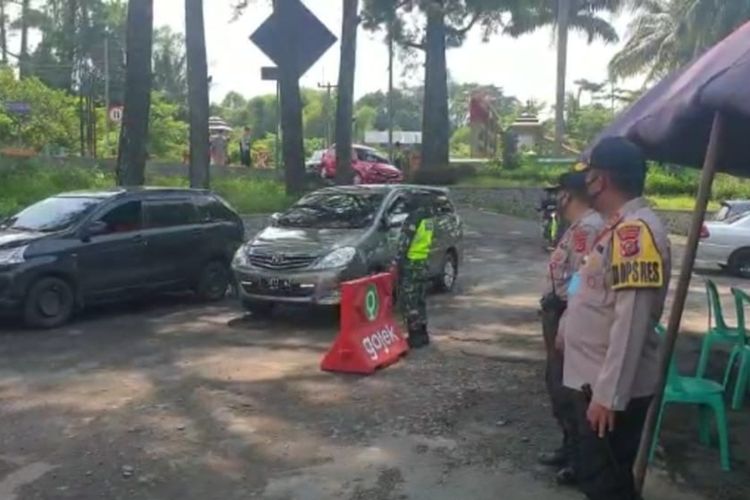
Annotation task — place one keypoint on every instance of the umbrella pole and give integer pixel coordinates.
(673, 327)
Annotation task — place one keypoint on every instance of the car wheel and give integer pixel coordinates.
(739, 263)
(49, 303)
(446, 281)
(213, 282)
(258, 307)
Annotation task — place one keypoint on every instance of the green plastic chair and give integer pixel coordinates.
(707, 395)
(741, 351)
(718, 332)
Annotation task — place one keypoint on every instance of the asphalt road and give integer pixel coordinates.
(172, 399)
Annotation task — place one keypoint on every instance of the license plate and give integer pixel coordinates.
(277, 284)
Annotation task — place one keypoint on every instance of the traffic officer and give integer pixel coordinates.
(413, 251)
(584, 225)
(610, 345)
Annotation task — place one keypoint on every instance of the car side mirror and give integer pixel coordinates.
(95, 228)
(274, 218)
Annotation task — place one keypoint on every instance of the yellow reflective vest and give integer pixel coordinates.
(422, 242)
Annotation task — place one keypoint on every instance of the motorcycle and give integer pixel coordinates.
(551, 225)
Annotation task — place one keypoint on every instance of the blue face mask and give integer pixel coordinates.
(574, 284)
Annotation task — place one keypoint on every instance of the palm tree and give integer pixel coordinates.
(345, 98)
(131, 160)
(23, 58)
(563, 15)
(666, 34)
(195, 46)
(3, 33)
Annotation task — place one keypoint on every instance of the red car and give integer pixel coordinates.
(370, 167)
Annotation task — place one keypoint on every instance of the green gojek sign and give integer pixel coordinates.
(372, 303)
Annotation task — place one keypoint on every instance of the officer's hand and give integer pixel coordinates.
(601, 418)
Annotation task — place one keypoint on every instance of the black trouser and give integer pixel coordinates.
(604, 467)
(559, 398)
(562, 405)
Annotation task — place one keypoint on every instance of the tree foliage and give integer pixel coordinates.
(52, 123)
(666, 34)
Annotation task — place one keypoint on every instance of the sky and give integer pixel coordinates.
(523, 67)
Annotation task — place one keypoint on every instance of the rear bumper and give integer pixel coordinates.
(713, 255)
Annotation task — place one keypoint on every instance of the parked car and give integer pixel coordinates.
(726, 243)
(76, 249)
(338, 234)
(370, 167)
(731, 208)
(314, 163)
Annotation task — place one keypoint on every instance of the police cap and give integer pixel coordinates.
(617, 154)
(573, 183)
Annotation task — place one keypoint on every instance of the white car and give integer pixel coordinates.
(726, 244)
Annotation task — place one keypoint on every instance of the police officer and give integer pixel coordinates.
(413, 251)
(585, 225)
(611, 348)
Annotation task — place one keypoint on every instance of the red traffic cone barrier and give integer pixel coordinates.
(369, 337)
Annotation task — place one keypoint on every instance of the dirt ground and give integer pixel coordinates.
(170, 399)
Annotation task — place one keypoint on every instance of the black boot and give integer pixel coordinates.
(566, 476)
(553, 458)
(418, 338)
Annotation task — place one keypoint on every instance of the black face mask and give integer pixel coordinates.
(592, 196)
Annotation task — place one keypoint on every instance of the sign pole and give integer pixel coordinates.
(106, 92)
(277, 141)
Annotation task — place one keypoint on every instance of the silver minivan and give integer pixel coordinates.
(338, 234)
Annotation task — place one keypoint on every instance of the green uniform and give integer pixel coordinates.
(414, 247)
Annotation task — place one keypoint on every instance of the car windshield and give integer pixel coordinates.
(52, 214)
(333, 210)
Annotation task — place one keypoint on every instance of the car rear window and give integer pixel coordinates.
(211, 209)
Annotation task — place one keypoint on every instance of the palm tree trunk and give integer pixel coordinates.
(345, 98)
(291, 104)
(3, 34)
(23, 59)
(563, 20)
(131, 160)
(197, 67)
(435, 117)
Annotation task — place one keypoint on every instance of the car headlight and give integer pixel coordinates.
(241, 257)
(338, 258)
(13, 255)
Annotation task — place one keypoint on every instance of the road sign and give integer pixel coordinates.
(269, 73)
(18, 108)
(309, 38)
(115, 114)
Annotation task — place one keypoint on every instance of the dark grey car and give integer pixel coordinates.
(75, 249)
(337, 234)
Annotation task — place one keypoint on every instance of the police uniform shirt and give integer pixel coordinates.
(571, 250)
(610, 342)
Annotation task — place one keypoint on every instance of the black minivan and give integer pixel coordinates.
(80, 248)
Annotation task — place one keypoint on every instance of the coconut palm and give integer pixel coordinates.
(666, 34)
(584, 16)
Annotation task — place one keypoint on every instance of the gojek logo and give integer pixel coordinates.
(372, 303)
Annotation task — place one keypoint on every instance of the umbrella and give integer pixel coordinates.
(700, 117)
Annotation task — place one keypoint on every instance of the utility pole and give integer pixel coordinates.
(390, 91)
(106, 92)
(329, 88)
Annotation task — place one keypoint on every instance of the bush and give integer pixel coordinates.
(27, 182)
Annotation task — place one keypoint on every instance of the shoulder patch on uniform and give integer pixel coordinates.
(636, 261)
(580, 240)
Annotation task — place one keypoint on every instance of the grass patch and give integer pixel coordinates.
(27, 183)
(686, 203)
